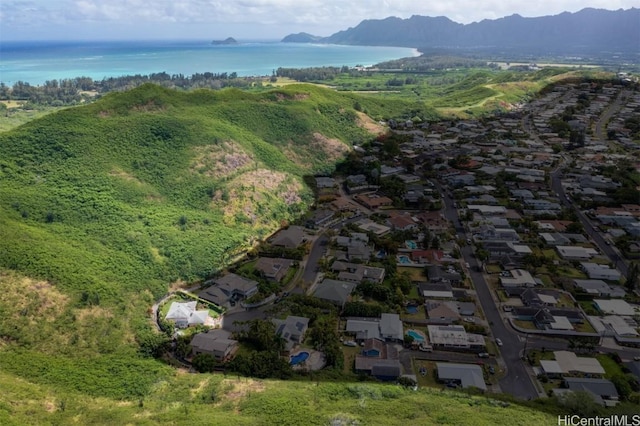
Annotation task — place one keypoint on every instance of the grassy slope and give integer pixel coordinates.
(215, 400)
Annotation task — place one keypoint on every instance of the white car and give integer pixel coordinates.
(499, 342)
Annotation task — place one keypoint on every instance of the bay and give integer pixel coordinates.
(35, 62)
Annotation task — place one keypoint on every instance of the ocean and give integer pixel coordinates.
(35, 62)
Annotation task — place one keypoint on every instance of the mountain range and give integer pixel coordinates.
(588, 30)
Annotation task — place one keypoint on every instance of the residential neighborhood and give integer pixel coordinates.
(498, 253)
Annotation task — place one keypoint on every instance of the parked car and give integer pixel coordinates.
(471, 320)
(483, 355)
(499, 342)
(492, 370)
(350, 343)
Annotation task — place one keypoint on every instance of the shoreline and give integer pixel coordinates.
(38, 61)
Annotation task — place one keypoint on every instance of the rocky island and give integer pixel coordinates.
(228, 40)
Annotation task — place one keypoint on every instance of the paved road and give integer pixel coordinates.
(517, 381)
(315, 254)
(599, 240)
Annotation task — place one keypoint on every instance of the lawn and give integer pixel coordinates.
(350, 357)
(247, 268)
(493, 269)
(611, 368)
(525, 324)
(539, 355)
(416, 274)
(421, 315)
(585, 327)
(570, 272)
(429, 379)
(565, 301)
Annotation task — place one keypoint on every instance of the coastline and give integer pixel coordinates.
(36, 62)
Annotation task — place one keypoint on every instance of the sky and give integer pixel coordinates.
(246, 19)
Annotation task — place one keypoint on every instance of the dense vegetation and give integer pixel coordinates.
(72, 91)
(109, 203)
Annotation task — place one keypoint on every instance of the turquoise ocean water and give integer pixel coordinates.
(35, 62)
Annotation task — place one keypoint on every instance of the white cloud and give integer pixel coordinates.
(263, 18)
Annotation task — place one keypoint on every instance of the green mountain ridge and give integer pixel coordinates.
(588, 30)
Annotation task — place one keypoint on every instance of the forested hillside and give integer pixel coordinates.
(103, 206)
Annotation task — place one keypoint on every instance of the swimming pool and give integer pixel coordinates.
(404, 259)
(412, 309)
(298, 358)
(417, 336)
(411, 244)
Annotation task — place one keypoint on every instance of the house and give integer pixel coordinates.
(600, 272)
(465, 375)
(571, 364)
(599, 288)
(491, 233)
(402, 223)
(603, 391)
(344, 205)
(441, 312)
(216, 343)
(356, 272)
(437, 274)
(289, 238)
(530, 297)
(454, 337)
(388, 327)
(227, 288)
(319, 218)
(273, 269)
(292, 330)
(357, 247)
(427, 256)
(363, 328)
(325, 182)
(391, 327)
(373, 201)
(621, 327)
(379, 360)
(436, 290)
(575, 252)
(336, 292)
(466, 309)
(498, 249)
(614, 307)
(487, 210)
(184, 314)
(518, 278)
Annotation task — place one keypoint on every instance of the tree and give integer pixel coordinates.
(408, 340)
(580, 403)
(632, 277)
(204, 363)
(261, 334)
(621, 382)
